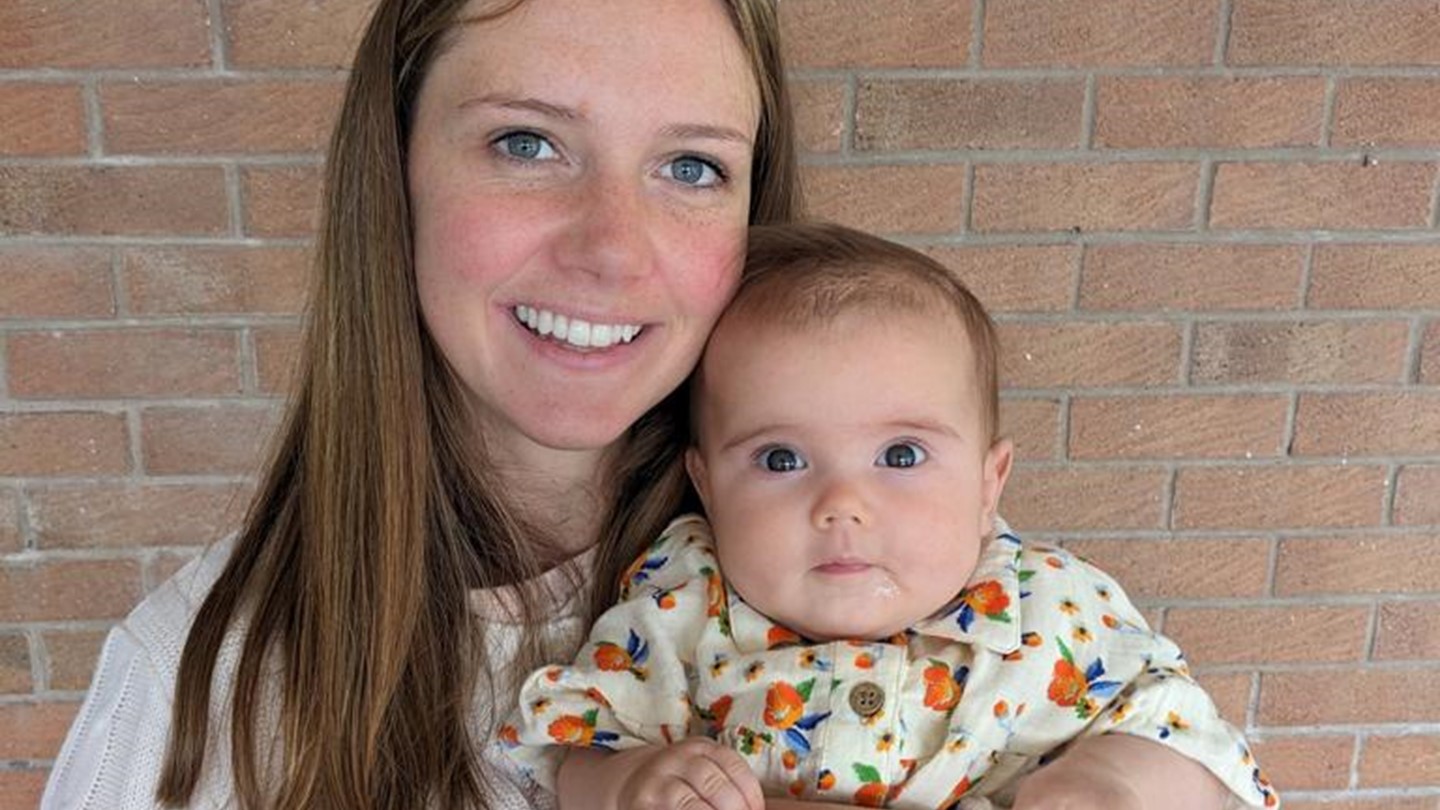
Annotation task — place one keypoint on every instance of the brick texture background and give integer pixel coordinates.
(1208, 230)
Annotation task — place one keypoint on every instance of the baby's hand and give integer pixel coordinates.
(693, 774)
(1068, 788)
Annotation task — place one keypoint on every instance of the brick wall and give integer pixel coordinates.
(1208, 230)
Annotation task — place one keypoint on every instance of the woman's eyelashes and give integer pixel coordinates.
(523, 146)
(694, 171)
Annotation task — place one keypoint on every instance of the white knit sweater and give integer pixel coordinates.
(112, 756)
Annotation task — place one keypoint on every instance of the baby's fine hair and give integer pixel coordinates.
(804, 274)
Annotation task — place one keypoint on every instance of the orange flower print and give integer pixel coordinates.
(715, 716)
(783, 705)
(872, 790)
(943, 687)
(1082, 635)
(1001, 708)
(717, 606)
(597, 696)
(1110, 621)
(1173, 722)
(986, 599)
(864, 660)
(826, 780)
(539, 705)
(778, 636)
(611, 657)
(664, 599)
(797, 788)
(718, 665)
(885, 742)
(956, 793)
(752, 742)
(580, 731)
(1068, 607)
(1071, 686)
(785, 711)
(553, 674)
(1054, 562)
(789, 759)
(509, 736)
(754, 671)
(639, 572)
(1030, 639)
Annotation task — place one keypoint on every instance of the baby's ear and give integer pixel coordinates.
(996, 473)
(695, 466)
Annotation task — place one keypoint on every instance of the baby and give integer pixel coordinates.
(854, 624)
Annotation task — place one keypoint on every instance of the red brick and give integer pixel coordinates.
(1387, 112)
(111, 33)
(34, 730)
(10, 539)
(1271, 635)
(130, 515)
(1342, 196)
(1415, 500)
(1368, 424)
(282, 201)
(888, 199)
(124, 363)
(1178, 427)
(1300, 352)
(1033, 425)
(1088, 354)
(1306, 698)
(1191, 277)
(206, 441)
(72, 657)
(898, 33)
(182, 281)
(1100, 33)
(964, 114)
(1182, 569)
(1430, 355)
(47, 282)
(1230, 691)
(1409, 760)
(41, 119)
(286, 34)
(164, 564)
(1408, 631)
(68, 589)
(1334, 32)
(1375, 277)
(113, 200)
(1014, 278)
(819, 114)
(1380, 564)
(64, 443)
(1084, 196)
(1278, 497)
(1306, 763)
(277, 356)
(1200, 111)
(15, 675)
(22, 788)
(1077, 498)
(225, 116)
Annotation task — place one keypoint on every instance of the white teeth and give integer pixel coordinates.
(577, 333)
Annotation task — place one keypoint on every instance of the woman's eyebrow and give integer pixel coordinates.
(508, 102)
(710, 131)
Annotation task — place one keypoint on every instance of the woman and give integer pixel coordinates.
(535, 212)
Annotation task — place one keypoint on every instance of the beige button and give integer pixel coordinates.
(866, 699)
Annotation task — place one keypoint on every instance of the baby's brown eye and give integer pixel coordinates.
(902, 454)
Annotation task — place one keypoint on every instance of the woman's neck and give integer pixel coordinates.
(561, 494)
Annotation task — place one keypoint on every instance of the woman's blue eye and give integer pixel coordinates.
(524, 146)
(902, 454)
(693, 171)
(780, 460)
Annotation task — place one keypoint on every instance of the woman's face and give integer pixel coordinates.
(586, 164)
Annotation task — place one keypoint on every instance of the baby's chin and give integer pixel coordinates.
(852, 631)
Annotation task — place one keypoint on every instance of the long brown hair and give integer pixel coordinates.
(375, 519)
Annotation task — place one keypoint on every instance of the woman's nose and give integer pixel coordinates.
(840, 503)
(609, 237)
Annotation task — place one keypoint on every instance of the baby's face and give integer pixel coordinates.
(845, 469)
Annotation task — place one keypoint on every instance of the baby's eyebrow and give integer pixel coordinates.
(750, 435)
(924, 426)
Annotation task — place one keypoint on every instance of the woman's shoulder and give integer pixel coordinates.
(160, 624)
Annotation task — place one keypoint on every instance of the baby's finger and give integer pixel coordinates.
(715, 785)
(741, 776)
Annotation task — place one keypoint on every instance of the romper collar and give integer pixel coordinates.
(987, 611)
